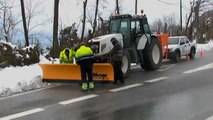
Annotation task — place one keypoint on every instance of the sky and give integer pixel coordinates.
(20, 79)
(71, 11)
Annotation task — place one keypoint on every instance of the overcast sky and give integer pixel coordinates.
(71, 11)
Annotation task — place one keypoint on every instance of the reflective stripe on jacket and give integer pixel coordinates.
(64, 58)
(84, 53)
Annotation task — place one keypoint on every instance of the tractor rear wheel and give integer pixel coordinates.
(152, 55)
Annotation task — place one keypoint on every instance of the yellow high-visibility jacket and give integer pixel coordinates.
(67, 59)
(83, 53)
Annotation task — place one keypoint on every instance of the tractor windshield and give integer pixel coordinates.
(119, 26)
(114, 25)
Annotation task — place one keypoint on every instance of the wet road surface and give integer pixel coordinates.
(174, 92)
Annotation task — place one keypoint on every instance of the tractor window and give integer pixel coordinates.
(136, 26)
(114, 26)
(124, 27)
(146, 28)
(145, 24)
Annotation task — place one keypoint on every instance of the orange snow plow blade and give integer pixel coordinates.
(71, 72)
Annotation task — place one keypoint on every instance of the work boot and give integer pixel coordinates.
(84, 86)
(91, 85)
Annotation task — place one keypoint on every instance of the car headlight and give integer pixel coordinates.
(170, 49)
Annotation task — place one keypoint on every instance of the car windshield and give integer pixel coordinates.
(173, 41)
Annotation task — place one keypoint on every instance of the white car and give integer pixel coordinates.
(181, 46)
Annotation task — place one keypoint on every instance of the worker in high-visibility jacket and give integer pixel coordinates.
(66, 56)
(84, 58)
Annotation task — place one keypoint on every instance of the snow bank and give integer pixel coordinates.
(205, 47)
(19, 79)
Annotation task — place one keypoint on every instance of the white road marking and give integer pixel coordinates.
(205, 67)
(156, 79)
(166, 68)
(125, 87)
(77, 99)
(210, 118)
(27, 92)
(25, 113)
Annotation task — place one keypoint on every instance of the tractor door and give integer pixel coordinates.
(145, 27)
(122, 25)
(136, 31)
(125, 30)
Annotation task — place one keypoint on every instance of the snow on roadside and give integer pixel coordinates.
(205, 47)
(20, 79)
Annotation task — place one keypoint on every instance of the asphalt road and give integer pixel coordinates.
(182, 91)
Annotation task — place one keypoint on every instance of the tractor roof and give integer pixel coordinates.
(126, 16)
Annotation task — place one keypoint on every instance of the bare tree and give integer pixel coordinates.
(9, 22)
(95, 22)
(170, 24)
(33, 10)
(189, 17)
(157, 26)
(166, 25)
(84, 19)
(55, 29)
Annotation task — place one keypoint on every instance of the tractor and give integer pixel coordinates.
(139, 45)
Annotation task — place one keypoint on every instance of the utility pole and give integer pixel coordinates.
(181, 15)
(136, 6)
(24, 24)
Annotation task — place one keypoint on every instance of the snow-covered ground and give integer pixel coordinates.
(20, 79)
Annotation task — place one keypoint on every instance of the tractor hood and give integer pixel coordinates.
(102, 45)
(107, 37)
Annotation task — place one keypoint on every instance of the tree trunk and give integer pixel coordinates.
(196, 10)
(55, 29)
(84, 19)
(24, 23)
(95, 22)
(117, 11)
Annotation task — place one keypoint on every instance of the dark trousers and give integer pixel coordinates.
(86, 70)
(118, 75)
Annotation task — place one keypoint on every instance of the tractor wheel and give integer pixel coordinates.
(192, 53)
(152, 55)
(125, 65)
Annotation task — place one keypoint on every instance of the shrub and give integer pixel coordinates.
(12, 55)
